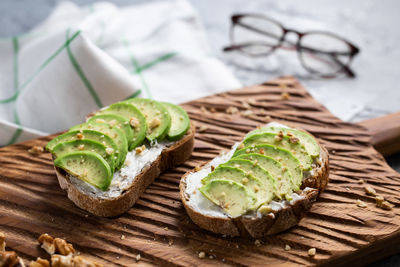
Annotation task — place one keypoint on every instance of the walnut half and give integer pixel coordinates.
(53, 245)
(8, 258)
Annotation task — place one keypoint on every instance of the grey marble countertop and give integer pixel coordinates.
(370, 24)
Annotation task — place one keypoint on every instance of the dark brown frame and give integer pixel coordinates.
(353, 50)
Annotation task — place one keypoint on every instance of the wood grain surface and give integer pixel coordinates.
(157, 227)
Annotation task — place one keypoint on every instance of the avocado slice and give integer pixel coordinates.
(180, 121)
(254, 169)
(87, 166)
(157, 117)
(86, 135)
(283, 177)
(117, 120)
(260, 189)
(286, 142)
(136, 119)
(116, 134)
(309, 142)
(287, 159)
(233, 197)
(84, 145)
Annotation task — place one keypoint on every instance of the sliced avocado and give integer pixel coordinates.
(157, 117)
(84, 135)
(309, 142)
(286, 142)
(87, 166)
(284, 179)
(233, 197)
(180, 121)
(116, 134)
(117, 120)
(254, 169)
(287, 159)
(84, 145)
(136, 119)
(263, 193)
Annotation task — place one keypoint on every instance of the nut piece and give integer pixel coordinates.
(264, 209)
(257, 242)
(8, 258)
(39, 262)
(285, 95)
(51, 245)
(202, 254)
(247, 113)
(109, 150)
(36, 150)
(369, 190)
(361, 203)
(47, 243)
(140, 149)
(63, 247)
(232, 110)
(287, 247)
(134, 122)
(312, 252)
(202, 129)
(379, 200)
(383, 204)
(2, 242)
(154, 123)
(62, 261)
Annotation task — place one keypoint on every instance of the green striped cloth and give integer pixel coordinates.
(83, 58)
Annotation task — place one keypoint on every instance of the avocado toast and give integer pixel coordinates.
(262, 186)
(107, 162)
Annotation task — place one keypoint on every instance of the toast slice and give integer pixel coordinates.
(283, 215)
(101, 204)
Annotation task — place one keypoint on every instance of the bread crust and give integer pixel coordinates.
(170, 157)
(271, 223)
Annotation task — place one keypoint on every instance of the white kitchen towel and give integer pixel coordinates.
(83, 58)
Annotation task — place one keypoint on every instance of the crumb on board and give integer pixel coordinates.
(312, 252)
(361, 203)
(285, 95)
(232, 110)
(36, 150)
(202, 129)
(383, 204)
(247, 113)
(369, 190)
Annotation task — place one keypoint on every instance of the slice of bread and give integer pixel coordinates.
(257, 225)
(100, 204)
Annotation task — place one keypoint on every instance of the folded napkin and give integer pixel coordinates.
(83, 58)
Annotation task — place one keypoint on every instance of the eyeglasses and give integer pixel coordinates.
(321, 53)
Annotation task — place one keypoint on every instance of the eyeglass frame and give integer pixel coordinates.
(354, 50)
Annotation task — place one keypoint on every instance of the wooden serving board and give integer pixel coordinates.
(157, 227)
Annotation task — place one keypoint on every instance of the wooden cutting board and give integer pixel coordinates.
(157, 227)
